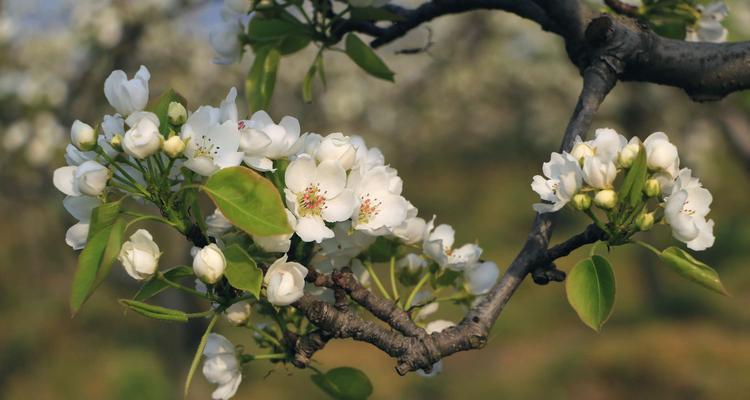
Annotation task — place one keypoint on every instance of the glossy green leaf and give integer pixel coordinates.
(366, 58)
(635, 178)
(90, 259)
(344, 383)
(160, 106)
(154, 286)
(590, 287)
(249, 201)
(374, 14)
(114, 243)
(156, 312)
(242, 272)
(261, 78)
(687, 266)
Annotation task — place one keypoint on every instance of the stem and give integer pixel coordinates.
(199, 352)
(147, 218)
(394, 286)
(273, 356)
(375, 279)
(265, 335)
(648, 246)
(416, 289)
(185, 289)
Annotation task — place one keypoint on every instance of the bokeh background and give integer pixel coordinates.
(468, 123)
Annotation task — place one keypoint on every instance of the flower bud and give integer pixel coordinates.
(140, 255)
(174, 146)
(652, 188)
(91, 178)
(337, 147)
(581, 151)
(83, 136)
(645, 221)
(143, 139)
(628, 154)
(176, 113)
(209, 264)
(116, 142)
(238, 313)
(606, 199)
(581, 202)
(285, 282)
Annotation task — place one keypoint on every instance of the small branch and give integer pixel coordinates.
(623, 8)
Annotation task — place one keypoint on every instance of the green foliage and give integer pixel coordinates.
(632, 185)
(670, 18)
(156, 312)
(366, 58)
(590, 287)
(242, 271)
(248, 200)
(288, 36)
(155, 285)
(687, 266)
(262, 78)
(160, 106)
(344, 383)
(102, 247)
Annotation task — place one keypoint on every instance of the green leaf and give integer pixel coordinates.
(366, 58)
(154, 286)
(344, 383)
(160, 106)
(114, 243)
(293, 43)
(590, 287)
(242, 272)
(687, 266)
(265, 30)
(636, 174)
(249, 201)
(373, 14)
(261, 78)
(152, 311)
(92, 256)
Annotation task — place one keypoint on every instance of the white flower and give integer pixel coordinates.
(80, 207)
(277, 243)
(77, 235)
(412, 263)
(426, 309)
(337, 147)
(661, 155)
(598, 172)
(74, 156)
(209, 264)
(412, 230)
(306, 144)
(221, 366)
(564, 179)
(380, 207)
(143, 139)
(686, 209)
(435, 327)
(176, 113)
(225, 39)
(317, 194)
(264, 141)
(214, 149)
(338, 251)
(140, 255)
(205, 117)
(174, 146)
(82, 136)
(360, 272)
(480, 278)
(709, 28)
(89, 178)
(238, 313)
(217, 224)
(629, 153)
(438, 245)
(285, 282)
(607, 144)
(127, 96)
(366, 158)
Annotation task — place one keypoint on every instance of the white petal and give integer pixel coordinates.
(340, 207)
(312, 229)
(227, 390)
(259, 163)
(80, 207)
(201, 165)
(77, 235)
(64, 180)
(331, 177)
(300, 174)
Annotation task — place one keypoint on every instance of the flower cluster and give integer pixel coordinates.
(635, 184)
(343, 204)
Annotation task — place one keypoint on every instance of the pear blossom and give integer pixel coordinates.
(436, 327)
(277, 243)
(285, 282)
(221, 366)
(380, 206)
(77, 235)
(127, 96)
(205, 117)
(563, 180)
(599, 173)
(217, 224)
(685, 211)
(438, 245)
(338, 251)
(225, 38)
(176, 113)
(209, 264)
(629, 152)
(90, 178)
(263, 141)
(82, 135)
(337, 147)
(427, 307)
(143, 139)
(708, 28)
(607, 144)
(412, 230)
(140, 255)
(360, 272)
(661, 155)
(173, 147)
(238, 313)
(214, 149)
(366, 158)
(80, 207)
(606, 199)
(317, 194)
(308, 144)
(481, 277)
(412, 263)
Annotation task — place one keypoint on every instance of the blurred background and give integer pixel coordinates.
(468, 123)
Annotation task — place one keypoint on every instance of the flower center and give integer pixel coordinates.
(206, 148)
(368, 209)
(311, 201)
(686, 208)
